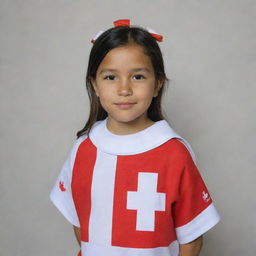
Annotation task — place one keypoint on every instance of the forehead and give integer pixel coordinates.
(126, 57)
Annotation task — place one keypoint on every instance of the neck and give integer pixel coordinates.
(125, 128)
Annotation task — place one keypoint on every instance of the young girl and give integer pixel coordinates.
(130, 185)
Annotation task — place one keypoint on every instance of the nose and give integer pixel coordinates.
(124, 87)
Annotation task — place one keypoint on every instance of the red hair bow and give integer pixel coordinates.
(120, 23)
(126, 23)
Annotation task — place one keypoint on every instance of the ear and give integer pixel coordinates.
(95, 87)
(158, 86)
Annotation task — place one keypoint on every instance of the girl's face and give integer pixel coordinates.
(125, 84)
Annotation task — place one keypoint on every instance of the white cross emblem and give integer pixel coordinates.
(146, 201)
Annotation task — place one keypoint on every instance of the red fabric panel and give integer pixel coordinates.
(81, 184)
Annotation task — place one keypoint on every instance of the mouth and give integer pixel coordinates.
(125, 105)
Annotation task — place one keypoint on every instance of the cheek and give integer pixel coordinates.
(106, 95)
(145, 93)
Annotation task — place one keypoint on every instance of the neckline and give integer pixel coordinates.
(122, 135)
(129, 144)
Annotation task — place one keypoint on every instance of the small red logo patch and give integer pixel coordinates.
(61, 185)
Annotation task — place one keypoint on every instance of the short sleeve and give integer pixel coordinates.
(61, 193)
(193, 212)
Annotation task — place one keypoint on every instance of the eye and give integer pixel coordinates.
(110, 77)
(139, 77)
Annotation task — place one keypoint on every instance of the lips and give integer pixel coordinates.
(125, 105)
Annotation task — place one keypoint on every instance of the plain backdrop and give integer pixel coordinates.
(209, 50)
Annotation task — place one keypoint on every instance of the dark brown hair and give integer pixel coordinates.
(113, 38)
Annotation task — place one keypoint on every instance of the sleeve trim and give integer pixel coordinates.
(198, 226)
(72, 219)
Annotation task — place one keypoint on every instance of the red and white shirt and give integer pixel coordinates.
(134, 195)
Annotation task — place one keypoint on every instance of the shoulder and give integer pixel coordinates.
(178, 146)
(76, 144)
(179, 149)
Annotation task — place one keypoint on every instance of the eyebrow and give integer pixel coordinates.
(115, 70)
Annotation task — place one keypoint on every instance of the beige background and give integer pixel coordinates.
(209, 51)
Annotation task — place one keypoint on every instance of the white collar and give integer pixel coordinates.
(130, 144)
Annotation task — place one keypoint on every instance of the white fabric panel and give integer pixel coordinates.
(100, 225)
(92, 250)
